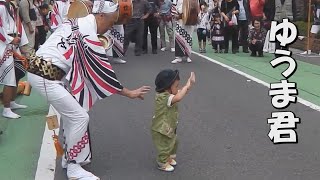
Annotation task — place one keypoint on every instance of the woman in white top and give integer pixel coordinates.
(202, 27)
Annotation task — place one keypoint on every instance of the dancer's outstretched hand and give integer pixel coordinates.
(139, 93)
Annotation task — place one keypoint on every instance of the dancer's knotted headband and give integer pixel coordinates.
(104, 6)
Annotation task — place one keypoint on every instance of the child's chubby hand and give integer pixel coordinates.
(192, 78)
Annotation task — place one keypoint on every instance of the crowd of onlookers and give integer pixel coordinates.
(231, 20)
(244, 22)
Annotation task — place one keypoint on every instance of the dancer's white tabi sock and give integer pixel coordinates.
(14, 105)
(9, 114)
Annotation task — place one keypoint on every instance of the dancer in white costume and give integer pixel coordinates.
(74, 52)
(12, 36)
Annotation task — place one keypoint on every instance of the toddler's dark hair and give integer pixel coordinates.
(177, 79)
(165, 79)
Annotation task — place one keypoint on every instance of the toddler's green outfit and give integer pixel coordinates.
(164, 125)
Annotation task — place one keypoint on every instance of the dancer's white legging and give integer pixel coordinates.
(75, 118)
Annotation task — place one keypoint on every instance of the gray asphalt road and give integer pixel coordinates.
(222, 131)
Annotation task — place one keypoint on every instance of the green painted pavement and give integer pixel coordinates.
(20, 144)
(307, 76)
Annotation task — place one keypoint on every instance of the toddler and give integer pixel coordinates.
(165, 120)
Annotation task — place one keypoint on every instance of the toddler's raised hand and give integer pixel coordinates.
(192, 78)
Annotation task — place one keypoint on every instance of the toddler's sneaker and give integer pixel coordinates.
(163, 49)
(189, 60)
(166, 167)
(172, 162)
(173, 49)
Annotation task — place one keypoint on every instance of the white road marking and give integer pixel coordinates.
(300, 100)
(47, 159)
